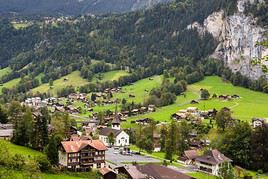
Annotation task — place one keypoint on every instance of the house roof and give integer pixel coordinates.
(76, 146)
(161, 172)
(134, 172)
(6, 133)
(107, 131)
(116, 119)
(191, 154)
(213, 157)
(105, 170)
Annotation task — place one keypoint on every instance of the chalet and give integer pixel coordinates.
(212, 112)
(143, 109)
(196, 144)
(107, 173)
(192, 109)
(179, 116)
(153, 171)
(211, 162)
(194, 102)
(257, 122)
(151, 108)
(135, 111)
(6, 134)
(156, 142)
(143, 121)
(82, 155)
(121, 138)
(91, 123)
(131, 96)
(188, 157)
(235, 96)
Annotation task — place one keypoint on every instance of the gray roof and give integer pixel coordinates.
(6, 133)
(116, 119)
(213, 157)
(107, 131)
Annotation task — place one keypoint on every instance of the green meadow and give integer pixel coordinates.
(9, 84)
(73, 79)
(24, 151)
(109, 76)
(251, 103)
(4, 71)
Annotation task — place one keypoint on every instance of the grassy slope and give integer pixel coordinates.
(9, 84)
(4, 71)
(241, 108)
(24, 151)
(74, 79)
(110, 76)
(138, 89)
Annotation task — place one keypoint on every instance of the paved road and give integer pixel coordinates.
(119, 159)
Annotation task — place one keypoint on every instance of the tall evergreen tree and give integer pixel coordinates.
(52, 151)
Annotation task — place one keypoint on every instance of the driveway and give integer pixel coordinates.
(119, 159)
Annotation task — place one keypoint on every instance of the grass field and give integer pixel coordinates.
(24, 151)
(9, 84)
(20, 25)
(74, 79)
(251, 104)
(4, 71)
(109, 76)
(140, 89)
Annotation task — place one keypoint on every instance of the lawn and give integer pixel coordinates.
(109, 76)
(241, 108)
(24, 151)
(5, 71)
(199, 175)
(73, 79)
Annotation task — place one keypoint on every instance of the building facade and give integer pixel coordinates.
(82, 155)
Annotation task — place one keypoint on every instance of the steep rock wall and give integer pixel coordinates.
(237, 35)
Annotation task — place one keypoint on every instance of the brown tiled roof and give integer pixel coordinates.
(105, 170)
(107, 131)
(213, 157)
(161, 172)
(134, 172)
(191, 154)
(76, 146)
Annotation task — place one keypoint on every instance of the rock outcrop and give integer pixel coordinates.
(237, 35)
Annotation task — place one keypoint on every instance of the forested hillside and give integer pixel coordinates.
(71, 7)
(145, 42)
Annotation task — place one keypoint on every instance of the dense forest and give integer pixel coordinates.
(137, 39)
(71, 7)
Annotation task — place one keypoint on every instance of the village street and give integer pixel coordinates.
(114, 160)
(118, 159)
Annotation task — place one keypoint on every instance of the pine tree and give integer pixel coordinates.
(52, 151)
(3, 116)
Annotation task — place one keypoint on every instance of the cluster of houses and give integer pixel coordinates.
(193, 114)
(228, 97)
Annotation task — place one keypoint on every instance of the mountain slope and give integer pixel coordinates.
(72, 7)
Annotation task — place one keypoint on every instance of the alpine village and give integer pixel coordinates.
(134, 89)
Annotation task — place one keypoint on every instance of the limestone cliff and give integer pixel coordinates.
(237, 35)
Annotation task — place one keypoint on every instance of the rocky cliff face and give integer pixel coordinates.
(237, 35)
